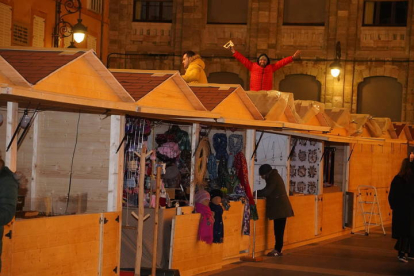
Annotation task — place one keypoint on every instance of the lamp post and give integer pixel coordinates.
(65, 29)
(336, 65)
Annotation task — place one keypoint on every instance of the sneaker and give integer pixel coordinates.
(410, 257)
(402, 259)
(274, 253)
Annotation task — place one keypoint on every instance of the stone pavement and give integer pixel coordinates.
(354, 255)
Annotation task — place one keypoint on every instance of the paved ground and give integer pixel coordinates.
(354, 255)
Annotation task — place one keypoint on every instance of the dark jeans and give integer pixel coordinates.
(279, 230)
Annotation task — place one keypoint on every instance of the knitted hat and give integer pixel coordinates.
(216, 192)
(201, 195)
(264, 169)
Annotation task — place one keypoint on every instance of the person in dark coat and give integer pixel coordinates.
(399, 199)
(8, 198)
(278, 206)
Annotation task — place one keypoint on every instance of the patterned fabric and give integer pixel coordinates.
(205, 228)
(220, 145)
(250, 210)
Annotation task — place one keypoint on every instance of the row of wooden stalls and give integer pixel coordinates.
(71, 128)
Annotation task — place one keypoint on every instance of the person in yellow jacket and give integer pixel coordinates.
(194, 66)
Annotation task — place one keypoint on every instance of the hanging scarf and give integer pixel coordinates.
(242, 173)
(222, 172)
(235, 142)
(205, 228)
(212, 167)
(220, 145)
(218, 228)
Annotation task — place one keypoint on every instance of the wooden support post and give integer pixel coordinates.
(195, 137)
(33, 181)
(10, 157)
(141, 184)
(157, 208)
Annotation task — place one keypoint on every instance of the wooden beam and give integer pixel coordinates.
(115, 178)
(35, 159)
(195, 134)
(12, 121)
(176, 112)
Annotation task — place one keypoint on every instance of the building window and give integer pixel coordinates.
(219, 11)
(153, 11)
(38, 37)
(5, 25)
(380, 97)
(95, 6)
(303, 87)
(292, 15)
(385, 13)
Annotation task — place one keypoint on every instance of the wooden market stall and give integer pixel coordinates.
(70, 94)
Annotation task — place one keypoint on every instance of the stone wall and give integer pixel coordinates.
(366, 51)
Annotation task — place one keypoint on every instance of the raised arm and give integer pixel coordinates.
(247, 63)
(286, 61)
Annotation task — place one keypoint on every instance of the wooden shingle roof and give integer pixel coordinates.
(210, 96)
(36, 65)
(140, 84)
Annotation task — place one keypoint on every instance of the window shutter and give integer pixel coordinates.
(95, 6)
(5, 25)
(38, 32)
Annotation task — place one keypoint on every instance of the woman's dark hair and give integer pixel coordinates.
(264, 55)
(265, 169)
(405, 169)
(189, 54)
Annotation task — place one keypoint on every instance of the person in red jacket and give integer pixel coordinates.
(261, 72)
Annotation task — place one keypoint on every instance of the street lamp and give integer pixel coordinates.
(336, 65)
(62, 27)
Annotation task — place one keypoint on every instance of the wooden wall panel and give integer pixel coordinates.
(57, 138)
(332, 213)
(111, 244)
(6, 254)
(167, 95)
(191, 256)
(82, 77)
(233, 107)
(66, 245)
(360, 166)
(301, 227)
(232, 230)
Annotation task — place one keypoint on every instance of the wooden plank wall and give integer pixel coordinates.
(63, 245)
(57, 136)
(301, 227)
(332, 213)
(375, 165)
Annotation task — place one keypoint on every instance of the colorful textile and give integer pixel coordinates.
(218, 227)
(205, 228)
(220, 145)
(242, 173)
(201, 195)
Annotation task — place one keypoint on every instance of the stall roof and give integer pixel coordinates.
(230, 100)
(71, 72)
(161, 92)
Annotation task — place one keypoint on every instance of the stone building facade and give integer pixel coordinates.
(376, 53)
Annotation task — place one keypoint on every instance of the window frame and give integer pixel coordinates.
(377, 17)
(321, 24)
(160, 13)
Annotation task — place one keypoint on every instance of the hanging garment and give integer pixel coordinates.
(218, 227)
(220, 145)
(205, 228)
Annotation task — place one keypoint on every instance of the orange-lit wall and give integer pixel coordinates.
(23, 12)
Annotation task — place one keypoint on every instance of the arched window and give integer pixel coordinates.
(303, 87)
(225, 78)
(380, 97)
